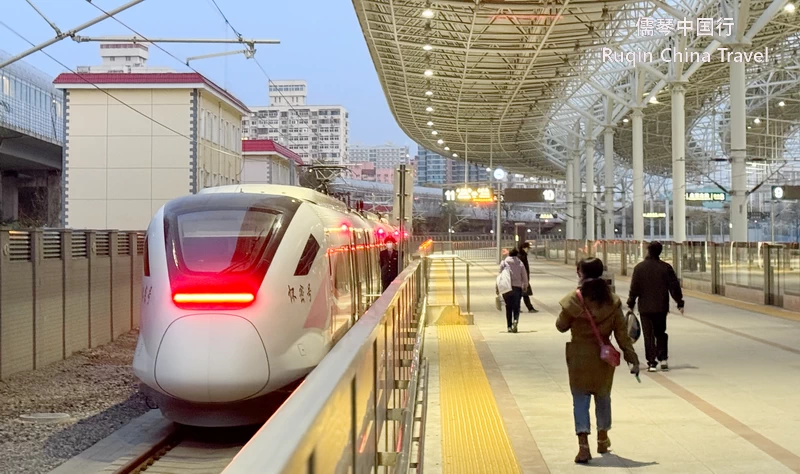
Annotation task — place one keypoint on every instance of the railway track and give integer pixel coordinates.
(189, 450)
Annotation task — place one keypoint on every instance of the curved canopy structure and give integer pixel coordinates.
(506, 82)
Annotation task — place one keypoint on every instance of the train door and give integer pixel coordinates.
(339, 264)
(353, 266)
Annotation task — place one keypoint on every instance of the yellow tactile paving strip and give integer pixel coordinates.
(474, 438)
(441, 286)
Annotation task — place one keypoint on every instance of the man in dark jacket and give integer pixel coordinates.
(388, 262)
(523, 256)
(652, 283)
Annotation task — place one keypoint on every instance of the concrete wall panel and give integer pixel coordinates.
(76, 305)
(100, 300)
(49, 312)
(16, 297)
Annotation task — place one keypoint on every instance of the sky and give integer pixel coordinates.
(321, 42)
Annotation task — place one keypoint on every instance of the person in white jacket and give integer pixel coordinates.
(519, 284)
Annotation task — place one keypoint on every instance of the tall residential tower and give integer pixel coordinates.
(315, 132)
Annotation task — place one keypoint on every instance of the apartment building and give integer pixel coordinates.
(317, 133)
(383, 156)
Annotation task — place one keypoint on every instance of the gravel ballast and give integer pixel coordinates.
(95, 387)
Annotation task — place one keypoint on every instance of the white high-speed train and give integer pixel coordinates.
(245, 290)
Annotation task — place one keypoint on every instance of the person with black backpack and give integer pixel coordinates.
(526, 296)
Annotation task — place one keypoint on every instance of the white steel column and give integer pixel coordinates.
(738, 135)
(577, 185)
(638, 176)
(589, 146)
(608, 158)
(570, 202)
(678, 163)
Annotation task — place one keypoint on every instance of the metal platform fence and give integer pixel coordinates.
(62, 291)
(754, 272)
(360, 410)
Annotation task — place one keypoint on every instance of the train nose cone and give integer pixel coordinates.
(209, 358)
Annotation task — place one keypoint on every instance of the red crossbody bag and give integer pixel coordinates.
(607, 351)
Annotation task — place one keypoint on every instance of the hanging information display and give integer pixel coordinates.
(479, 195)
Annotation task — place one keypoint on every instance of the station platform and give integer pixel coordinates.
(499, 402)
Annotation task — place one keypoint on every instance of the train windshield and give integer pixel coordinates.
(223, 240)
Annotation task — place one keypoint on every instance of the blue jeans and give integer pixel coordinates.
(580, 408)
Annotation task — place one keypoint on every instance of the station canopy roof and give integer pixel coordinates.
(511, 79)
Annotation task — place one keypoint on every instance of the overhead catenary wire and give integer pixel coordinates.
(81, 77)
(263, 70)
(125, 25)
(146, 39)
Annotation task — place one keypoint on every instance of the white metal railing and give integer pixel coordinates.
(356, 411)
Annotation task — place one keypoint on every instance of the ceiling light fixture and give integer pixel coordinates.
(440, 141)
(430, 124)
(427, 47)
(455, 155)
(781, 103)
(429, 109)
(428, 73)
(789, 8)
(447, 148)
(429, 93)
(427, 13)
(757, 121)
(624, 120)
(434, 132)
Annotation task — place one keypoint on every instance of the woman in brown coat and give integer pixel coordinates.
(588, 373)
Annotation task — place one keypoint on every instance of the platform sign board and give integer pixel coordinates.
(547, 215)
(529, 195)
(780, 193)
(705, 196)
(479, 195)
(654, 215)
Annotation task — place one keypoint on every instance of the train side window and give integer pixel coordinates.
(146, 257)
(307, 257)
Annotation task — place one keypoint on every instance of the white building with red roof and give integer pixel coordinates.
(268, 162)
(136, 140)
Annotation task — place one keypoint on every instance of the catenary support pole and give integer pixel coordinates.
(638, 175)
(570, 201)
(679, 162)
(608, 189)
(738, 136)
(589, 147)
(577, 185)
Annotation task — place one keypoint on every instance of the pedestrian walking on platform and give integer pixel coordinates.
(523, 257)
(591, 313)
(652, 283)
(519, 283)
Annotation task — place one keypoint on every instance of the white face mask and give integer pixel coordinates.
(389, 246)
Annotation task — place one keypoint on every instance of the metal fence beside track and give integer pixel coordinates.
(62, 291)
(356, 412)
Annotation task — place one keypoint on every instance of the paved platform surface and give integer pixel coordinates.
(729, 404)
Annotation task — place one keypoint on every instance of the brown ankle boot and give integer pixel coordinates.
(584, 455)
(603, 443)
